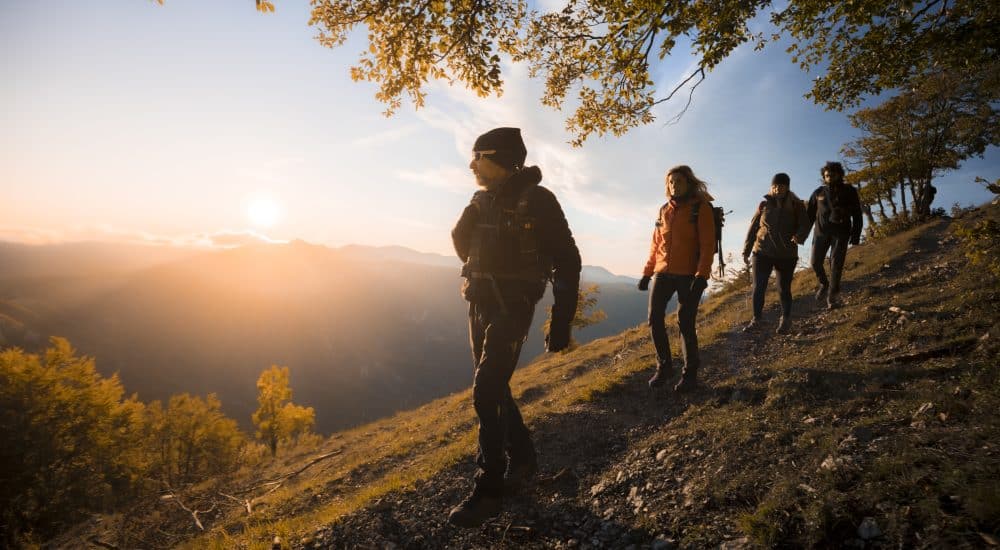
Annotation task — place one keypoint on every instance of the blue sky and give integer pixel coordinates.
(126, 120)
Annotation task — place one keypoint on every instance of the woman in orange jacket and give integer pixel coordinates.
(680, 260)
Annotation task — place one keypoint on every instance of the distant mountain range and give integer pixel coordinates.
(365, 330)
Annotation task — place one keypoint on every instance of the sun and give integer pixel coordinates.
(263, 211)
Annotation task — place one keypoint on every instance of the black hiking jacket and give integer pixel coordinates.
(836, 210)
(554, 239)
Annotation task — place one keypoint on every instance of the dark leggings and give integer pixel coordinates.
(664, 287)
(821, 245)
(497, 337)
(762, 267)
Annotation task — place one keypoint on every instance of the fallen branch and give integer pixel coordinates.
(194, 513)
(274, 484)
(281, 479)
(245, 502)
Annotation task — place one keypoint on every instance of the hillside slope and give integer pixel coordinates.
(871, 425)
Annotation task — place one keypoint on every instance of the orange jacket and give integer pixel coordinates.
(678, 247)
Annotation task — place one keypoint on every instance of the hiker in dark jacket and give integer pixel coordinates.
(835, 208)
(680, 260)
(512, 238)
(779, 226)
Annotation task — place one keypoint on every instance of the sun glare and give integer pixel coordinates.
(263, 212)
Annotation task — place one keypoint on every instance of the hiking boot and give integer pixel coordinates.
(475, 510)
(752, 326)
(519, 473)
(833, 301)
(784, 326)
(822, 292)
(687, 384)
(662, 374)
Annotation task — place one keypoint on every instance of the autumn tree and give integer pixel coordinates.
(604, 51)
(587, 313)
(911, 138)
(70, 441)
(277, 419)
(191, 439)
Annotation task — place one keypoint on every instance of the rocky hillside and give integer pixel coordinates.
(873, 425)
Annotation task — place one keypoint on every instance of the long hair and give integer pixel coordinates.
(698, 187)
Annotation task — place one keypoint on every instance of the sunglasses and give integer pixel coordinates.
(478, 155)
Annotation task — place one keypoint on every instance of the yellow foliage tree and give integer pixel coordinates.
(277, 419)
(191, 438)
(587, 313)
(70, 441)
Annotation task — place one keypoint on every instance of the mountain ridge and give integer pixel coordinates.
(366, 331)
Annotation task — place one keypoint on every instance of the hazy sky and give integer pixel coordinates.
(125, 120)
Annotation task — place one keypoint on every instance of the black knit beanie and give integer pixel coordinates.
(509, 147)
(781, 178)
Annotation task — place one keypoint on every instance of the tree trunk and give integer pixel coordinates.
(892, 203)
(881, 208)
(867, 209)
(902, 198)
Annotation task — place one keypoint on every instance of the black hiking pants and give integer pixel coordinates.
(497, 337)
(762, 267)
(664, 287)
(837, 246)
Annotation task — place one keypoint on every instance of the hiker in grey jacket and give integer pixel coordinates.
(779, 226)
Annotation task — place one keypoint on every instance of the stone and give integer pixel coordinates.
(662, 542)
(736, 544)
(862, 433)
(926, 408)
(661, 455)
(598, 489)
(869, 529)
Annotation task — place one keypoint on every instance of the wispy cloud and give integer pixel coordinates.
(448, 178)
(232, 239)
(271, 171)
(385, 137)
(569, 172)
(107, 233)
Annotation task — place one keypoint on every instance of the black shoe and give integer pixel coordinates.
(822, 292)
(784, 326)
(519, 474)
(752, 326)
(662, 374)
(833, 301)
(475, 510)
(687, 384)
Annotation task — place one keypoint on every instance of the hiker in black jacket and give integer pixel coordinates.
(512, 238)
(835, 208)
(779, 226)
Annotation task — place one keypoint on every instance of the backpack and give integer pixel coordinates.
(504, 246)
(719, 218)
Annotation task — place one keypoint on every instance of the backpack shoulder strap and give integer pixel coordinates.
(695, 208)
